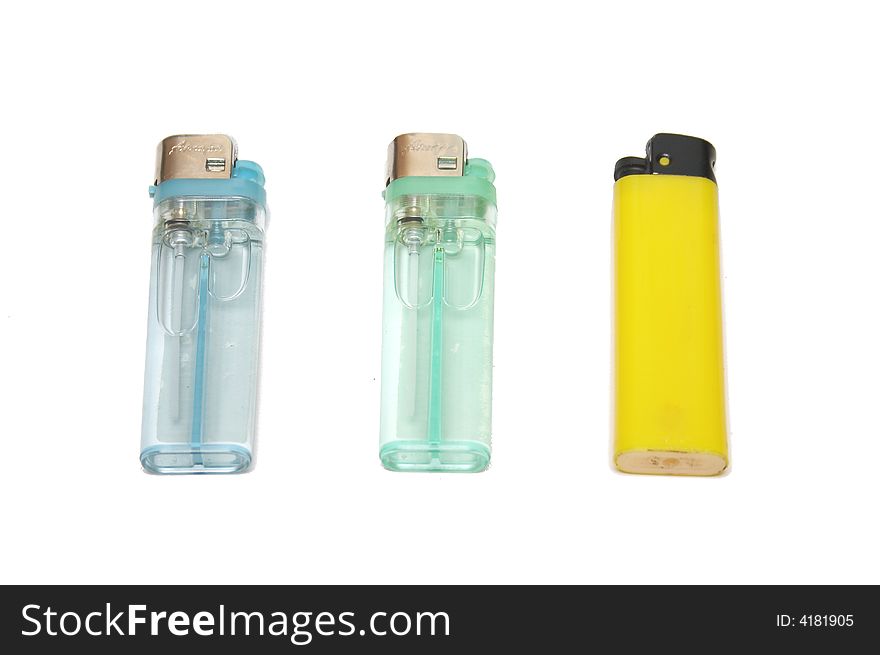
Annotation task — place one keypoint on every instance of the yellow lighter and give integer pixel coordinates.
(669, 414)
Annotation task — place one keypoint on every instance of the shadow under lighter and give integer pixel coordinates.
(669, 414)
(200, 385)
(436, 410)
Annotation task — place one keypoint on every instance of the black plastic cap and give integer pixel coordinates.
(671, 154)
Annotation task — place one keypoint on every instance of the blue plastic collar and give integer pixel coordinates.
(247, 182)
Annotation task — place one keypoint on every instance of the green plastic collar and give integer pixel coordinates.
(476, 181)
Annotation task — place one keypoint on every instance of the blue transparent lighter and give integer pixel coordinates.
(200, 384)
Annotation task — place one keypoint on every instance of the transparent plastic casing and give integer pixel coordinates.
(200, 388)
(436, 412)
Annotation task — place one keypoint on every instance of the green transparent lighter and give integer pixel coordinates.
(439, 289)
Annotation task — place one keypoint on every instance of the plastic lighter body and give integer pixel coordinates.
(436, 411)
(200, 384)
(669, 415)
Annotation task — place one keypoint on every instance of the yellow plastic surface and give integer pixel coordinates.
(669, 382)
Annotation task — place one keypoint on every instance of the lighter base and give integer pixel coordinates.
(670, 462)
(177, 459)
(442, 457)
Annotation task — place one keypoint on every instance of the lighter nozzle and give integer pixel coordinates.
(425, 154)
(195, 157)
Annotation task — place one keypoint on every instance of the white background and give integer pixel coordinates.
(552, 94)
